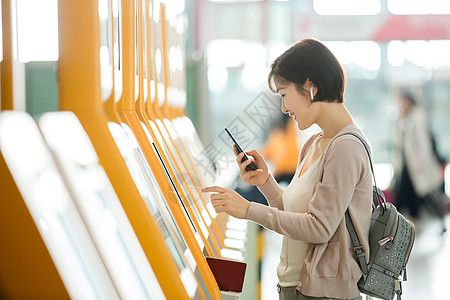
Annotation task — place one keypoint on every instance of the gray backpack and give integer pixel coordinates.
(391, 238)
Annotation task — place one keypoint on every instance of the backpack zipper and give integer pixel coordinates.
(390, 238)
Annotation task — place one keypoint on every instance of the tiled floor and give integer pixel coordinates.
(428, 268)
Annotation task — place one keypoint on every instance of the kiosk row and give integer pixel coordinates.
(102, 199)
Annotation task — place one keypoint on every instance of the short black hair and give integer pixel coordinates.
(310, 59)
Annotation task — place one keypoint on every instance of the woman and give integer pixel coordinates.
(417, 181)
(317, 259)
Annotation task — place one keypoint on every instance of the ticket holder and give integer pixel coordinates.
(163, 138)
(80, 92)
(99, 206)
(47, 251)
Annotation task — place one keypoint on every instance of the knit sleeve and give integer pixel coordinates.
(272, 192)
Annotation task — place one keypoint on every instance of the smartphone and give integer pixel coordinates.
(251, 166)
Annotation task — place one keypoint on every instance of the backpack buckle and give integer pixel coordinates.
(362, 258)
(357, 248)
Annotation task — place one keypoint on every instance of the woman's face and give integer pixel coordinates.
(298, 105)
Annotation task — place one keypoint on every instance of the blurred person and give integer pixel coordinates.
(333, 175)
(281, 149)
(418, 176)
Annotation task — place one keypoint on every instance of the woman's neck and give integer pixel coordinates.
(333, 118)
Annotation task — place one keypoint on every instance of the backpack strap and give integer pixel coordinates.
(356, 244)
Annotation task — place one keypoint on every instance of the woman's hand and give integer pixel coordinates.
(255, 177)
(228, 201)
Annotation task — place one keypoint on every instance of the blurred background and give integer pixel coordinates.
(387, 47)
(384, 46)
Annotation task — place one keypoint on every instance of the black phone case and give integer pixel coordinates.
(251, 166)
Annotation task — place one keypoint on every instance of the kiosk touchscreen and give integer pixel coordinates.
(99, 205)
(135, 163)
(234, 229)
(63, 231)
(186, 131)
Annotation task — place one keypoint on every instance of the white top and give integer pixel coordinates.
(295, 198)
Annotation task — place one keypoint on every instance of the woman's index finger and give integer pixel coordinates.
(212, 189)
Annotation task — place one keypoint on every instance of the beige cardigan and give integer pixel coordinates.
(343, 181)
